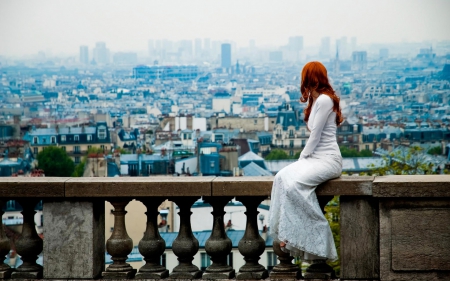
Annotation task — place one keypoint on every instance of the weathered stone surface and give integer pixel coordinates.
(420, 239)
(242, 186)
(396, 238)
(16, 187)
(74, 244)
(412, 186)
(346, 185)
(119, 275)
(359, 222)
(139, 187)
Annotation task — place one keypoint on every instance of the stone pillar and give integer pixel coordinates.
(74, 229)
(252, 245)
(119, 245)
(218, 245)
(285, 269)
(319, 269)
(29, 245)
(152, 246)
(185, 246)
(5, 246)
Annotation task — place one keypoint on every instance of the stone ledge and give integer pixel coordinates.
(16, 187)
(412, 186)
(242, 186)
(138, 187)
(347, 185)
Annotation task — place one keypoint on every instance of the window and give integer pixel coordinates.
(102, 146)
(10, 205)
(367, 147)
(303, 132)
(291, 133)
(89, 137)
(291, 153)
(89, 147)
(63, 148)
(76, 149)
(63, 138)
(76, 138)
(102, 132)
(77, 159)
(206, 261)
(303, 142)
(52, 140)
(255, 121)
(355, 138)
(291, 143)
(35, 140)
(44, 140)
(344, 128)
(271, 260)
(35, 151)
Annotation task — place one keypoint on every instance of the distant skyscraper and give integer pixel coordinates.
(151, 48)
(295, 43)
(354, 44)
(384, 54)
(324, 51)
(198, 47)
(226, 55)
(84, 54)
(342, 45)
(101, 53)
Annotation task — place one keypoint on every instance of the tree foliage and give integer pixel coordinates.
(350, 152)
(55, 162)
(277, 154)
(410, 161)
(437, 150)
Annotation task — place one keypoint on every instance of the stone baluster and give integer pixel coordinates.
(119, 245)
(29, 245)
(319, 269)
(5, 246)
(185, 246)
(218, 245)
(152, 245)
(252, 245)
(285, 269)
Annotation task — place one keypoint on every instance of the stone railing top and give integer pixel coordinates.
(386, 186)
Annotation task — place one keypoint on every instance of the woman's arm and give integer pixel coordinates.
(324, 106)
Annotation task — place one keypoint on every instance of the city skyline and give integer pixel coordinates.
(62, 27)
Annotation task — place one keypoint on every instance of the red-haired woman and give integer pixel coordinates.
(295, 218)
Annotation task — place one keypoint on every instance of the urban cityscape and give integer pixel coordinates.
(201, 107)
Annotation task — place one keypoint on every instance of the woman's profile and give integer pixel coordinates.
(295, 218)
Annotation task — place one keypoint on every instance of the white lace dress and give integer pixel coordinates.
(295, 216)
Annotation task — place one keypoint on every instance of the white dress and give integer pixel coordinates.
(295, 216)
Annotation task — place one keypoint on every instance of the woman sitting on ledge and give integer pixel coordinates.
(295, 216)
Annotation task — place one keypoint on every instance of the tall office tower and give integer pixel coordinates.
(359, 61)
(101, 53)
(151, 48)
(384, 54)
(324, 51)
(198, 47)
(295, 43)
(226, 55)
(207, 44)
(84, 54)
(353, 44)
(342, 46)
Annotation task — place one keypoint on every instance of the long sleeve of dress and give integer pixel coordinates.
(323, 108)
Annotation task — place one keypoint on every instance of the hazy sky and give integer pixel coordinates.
(27, 27)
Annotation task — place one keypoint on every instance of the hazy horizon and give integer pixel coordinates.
(27, 27)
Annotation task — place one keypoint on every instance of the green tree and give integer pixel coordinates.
(55, 162)
(437, 150)
(410, 161)
(79, 169)
(296, 155)
(349, 152)
(277, 154)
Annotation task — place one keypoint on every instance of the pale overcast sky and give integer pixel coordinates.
(27, 27)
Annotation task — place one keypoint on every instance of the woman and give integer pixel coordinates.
(295, 216)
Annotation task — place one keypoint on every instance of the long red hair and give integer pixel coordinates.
(315, 78)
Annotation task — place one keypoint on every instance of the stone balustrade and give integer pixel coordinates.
(392, 228)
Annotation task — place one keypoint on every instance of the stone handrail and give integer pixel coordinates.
(392, 227)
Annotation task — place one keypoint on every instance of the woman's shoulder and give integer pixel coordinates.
(325, 99)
